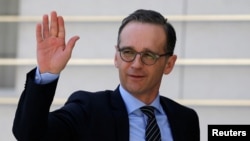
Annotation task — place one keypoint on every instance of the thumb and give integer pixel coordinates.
(71, 43)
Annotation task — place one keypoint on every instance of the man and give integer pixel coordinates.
(133, 111)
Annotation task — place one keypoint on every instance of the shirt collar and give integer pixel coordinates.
(133, 104)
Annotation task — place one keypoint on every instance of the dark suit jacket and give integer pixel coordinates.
(99, 116)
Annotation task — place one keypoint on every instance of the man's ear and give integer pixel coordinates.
(170, 64)
(115, 58)
(115, 62)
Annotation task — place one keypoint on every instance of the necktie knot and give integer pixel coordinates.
(148, 110)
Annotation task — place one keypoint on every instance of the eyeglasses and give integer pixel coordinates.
(147, 57)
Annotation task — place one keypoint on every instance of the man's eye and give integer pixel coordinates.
(129, 52)
(149, 55)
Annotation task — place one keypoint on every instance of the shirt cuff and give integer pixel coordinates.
(44, 78)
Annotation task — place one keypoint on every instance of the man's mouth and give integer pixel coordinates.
(136, 76)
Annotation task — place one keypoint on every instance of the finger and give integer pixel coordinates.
(45, 26)
(39, 37)
(54, 24)
(61, 28)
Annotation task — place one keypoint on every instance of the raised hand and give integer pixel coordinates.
(52, 51)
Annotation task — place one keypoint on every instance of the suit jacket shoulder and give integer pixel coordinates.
(184, 121)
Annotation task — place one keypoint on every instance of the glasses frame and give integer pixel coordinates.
(157, 56)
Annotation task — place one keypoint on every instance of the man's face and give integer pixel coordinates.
(137, 78)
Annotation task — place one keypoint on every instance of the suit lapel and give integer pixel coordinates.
(173, 120)
(120, 115)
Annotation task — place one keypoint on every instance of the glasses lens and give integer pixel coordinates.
(149, 58)
(128, 54)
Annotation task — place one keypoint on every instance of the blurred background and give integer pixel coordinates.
(212, 74)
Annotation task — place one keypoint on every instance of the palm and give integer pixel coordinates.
(51, 55)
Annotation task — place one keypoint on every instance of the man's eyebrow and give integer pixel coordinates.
(148, 50)
(131, 47)
(126, 47)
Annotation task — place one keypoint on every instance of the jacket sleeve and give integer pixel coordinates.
(31, 118)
